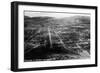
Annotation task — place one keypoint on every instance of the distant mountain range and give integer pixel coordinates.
(43, 21)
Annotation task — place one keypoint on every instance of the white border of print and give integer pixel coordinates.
(22, 64)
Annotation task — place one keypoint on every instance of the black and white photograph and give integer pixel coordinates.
(50, 36)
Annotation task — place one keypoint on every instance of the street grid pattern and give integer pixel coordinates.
(49, 38)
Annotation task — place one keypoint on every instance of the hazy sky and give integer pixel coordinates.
(51, 14)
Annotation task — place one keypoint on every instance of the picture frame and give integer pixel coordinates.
(52, 36)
